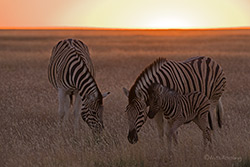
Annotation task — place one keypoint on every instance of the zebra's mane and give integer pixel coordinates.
(156, 65)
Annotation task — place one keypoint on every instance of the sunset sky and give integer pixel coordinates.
(125, 13)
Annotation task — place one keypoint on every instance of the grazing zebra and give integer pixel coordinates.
(180, 109)
(71, 72)
(200, 74)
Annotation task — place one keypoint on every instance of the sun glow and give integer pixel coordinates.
(125, 14)
(167, 14)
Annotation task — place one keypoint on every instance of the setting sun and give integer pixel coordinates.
(125, 14)
(173, 22)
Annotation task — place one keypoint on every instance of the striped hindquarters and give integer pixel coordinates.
(208, 77)
(64, 55)
(198, 104)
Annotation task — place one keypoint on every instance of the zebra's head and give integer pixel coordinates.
(92, 111)
(136, 112)
(155, 94)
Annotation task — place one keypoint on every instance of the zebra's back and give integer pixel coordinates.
(200, 74)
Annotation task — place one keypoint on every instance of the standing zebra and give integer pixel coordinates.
(179, 109)
(71, 72)
(200, 74)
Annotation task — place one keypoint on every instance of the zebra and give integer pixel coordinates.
(180, 109)
(200, 74)
(71, 72)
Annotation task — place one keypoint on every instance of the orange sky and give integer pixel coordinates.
(125, 13)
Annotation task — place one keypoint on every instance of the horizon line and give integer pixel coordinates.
(132, 29)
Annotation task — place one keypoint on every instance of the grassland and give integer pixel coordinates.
(30, 134)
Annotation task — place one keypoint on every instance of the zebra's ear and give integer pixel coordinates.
(126, 91)
(105, 94)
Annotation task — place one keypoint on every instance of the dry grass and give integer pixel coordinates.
(29, 123)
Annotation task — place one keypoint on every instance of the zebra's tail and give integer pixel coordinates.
(219, 112)
(210, 121)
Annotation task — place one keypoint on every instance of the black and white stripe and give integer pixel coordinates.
(200, 74)
(71, 72)
(180, 109)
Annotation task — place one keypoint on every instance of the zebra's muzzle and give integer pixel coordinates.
(97, 128)
(132, 136)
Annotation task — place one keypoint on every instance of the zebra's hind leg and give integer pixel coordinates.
(202, 122)
(219, 112)
(77, 107)
(64, 105)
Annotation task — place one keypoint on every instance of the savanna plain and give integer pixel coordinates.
(30, 131)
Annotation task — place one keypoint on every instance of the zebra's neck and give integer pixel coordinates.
(149, 76)
(88, 88)
(84, 82)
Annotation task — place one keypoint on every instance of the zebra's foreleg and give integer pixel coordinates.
(175, 137)
(77, 107)
(175, 134)
(172, 127)
(160, 125)
(64, 105)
